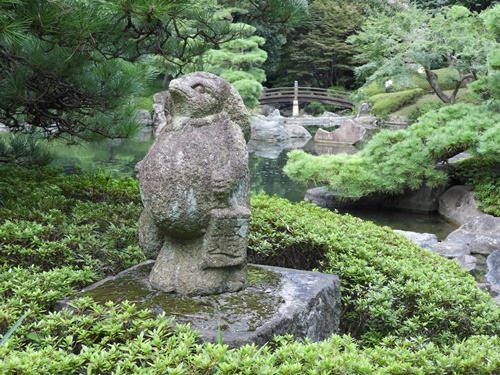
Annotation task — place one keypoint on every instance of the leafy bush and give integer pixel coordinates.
(314, 109)
(482, 174)
(385, 103)
(394, 161)
(59, 232)
(416, 112)
(390, 286)
(400, 301)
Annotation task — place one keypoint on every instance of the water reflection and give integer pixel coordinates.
(266, 162)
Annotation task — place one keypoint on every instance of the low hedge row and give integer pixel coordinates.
(405, 310)
(447, 79)
(386, 103)
(118, 339)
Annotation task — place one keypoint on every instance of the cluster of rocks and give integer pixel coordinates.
(272, 128)
(475, 245)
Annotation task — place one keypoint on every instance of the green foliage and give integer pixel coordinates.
(394, 161)
(415, 113)
(314, 109)
(239, 61)
(482, 175)
(416, 41)
(73, 67)
(53, 220)
(390, 102)
(317, 54)
(390, 286)
(23, 149)
(411, 310)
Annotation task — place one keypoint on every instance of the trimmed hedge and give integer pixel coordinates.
(446, 80)
(390, 286)
(405, 309)
(383, 104)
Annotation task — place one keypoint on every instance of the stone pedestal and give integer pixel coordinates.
(277, 301)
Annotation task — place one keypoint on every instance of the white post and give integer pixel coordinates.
(295, 110)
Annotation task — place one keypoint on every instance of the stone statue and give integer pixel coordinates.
(194, 185)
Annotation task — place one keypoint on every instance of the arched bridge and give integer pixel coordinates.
(306, 94)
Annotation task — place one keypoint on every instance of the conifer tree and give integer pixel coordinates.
(69, 68)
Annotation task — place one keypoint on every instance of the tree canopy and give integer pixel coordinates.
(416, 41)
(319, 55)
(70, 68)
(395, 161)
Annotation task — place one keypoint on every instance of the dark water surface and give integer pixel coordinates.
(266, 162)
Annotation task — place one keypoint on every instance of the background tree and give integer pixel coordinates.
(239, 62)
(320, 56)
(414, 42)
(394, 161)
(273, 20)
(70, 68)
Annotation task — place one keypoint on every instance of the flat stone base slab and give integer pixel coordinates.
(277, 301)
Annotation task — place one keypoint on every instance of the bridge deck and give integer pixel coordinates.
(306, 94)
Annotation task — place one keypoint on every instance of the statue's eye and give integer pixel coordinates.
(199, 88)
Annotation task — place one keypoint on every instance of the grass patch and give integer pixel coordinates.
(446, 80)
(383, 104)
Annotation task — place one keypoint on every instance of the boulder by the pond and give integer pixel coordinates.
(269, 129)
(425, 240)
(349, 133)
(458, 204)
(297, 131)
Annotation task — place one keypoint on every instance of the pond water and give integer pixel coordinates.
(266, 162)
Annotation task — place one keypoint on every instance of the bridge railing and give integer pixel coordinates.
(304, 91)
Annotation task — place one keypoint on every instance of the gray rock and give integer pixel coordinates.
(483, 233)
(363, 109)
(349, 133)
(278, 301)
(423, 200)
(159, 116)
(467, 262)
(450, 249)
(270, 130)
(425, 240)
(194, 184)
(493, 261)
(297, 131)
(484, 244)
(457, 204)
(329, 199)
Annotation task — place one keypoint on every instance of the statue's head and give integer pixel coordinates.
(202, 94)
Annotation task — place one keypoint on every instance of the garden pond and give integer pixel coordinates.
(266, 162)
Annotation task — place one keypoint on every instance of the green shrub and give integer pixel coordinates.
(394, 161)
(416, 112)
(446, 80)
(76, 228)
(482, 175)
(400, 301)
(390, 102)
(390, 286)
(314, 109)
